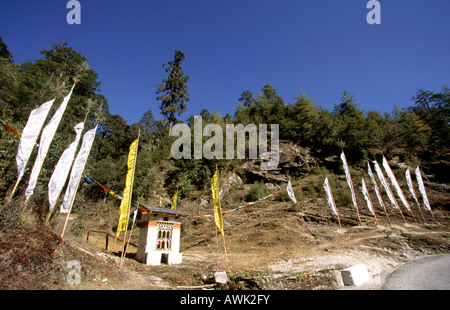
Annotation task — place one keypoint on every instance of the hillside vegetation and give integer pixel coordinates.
(271, 244)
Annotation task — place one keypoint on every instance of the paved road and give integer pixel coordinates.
(430, 273)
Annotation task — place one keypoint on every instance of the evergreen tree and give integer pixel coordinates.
(173, 93)
(434, 109)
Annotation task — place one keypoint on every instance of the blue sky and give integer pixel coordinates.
(321, 47)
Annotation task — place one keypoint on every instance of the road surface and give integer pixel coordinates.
(430, 273)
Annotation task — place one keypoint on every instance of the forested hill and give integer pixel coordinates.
(417, 135)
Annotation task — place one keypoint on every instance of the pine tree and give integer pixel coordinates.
(173, 93)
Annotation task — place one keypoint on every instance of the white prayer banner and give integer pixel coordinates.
(326, 186)
(394, 182)
(410, 186)
(77, 170)
(30, 134)
(422, 189)
(349, 179)
(367, 197)
(290, 192)
(62, 168)
(46, 139)
(385, 185)
(375, 186)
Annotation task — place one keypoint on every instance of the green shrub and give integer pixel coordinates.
(257, 191)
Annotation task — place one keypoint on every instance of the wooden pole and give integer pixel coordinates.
(129, 237)
(412, 213)
(73, 199)
(373, 208)
(382, 203)
(385, 212)
(221, 221)
(25, 203)
(48, 217)
(396, 204)
(421, 213)
(357, 213)
(432, 215)
(400, 210)
(14, 190)
(337, 212)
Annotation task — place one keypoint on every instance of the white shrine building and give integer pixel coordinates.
(159, 236)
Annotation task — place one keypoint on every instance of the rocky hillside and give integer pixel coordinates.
(272, 244)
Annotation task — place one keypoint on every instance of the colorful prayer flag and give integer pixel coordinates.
(174, 201)
(12, 130)
(88, 180)
(126, 201)
(216, 202)
(105, 189)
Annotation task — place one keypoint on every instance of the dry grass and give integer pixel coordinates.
(272, 244)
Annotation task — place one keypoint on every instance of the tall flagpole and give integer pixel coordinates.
(221, 221)
(350, 183)
(129, 202)
(131, 231)
(79, 178)
(73, 199)
(377, 192)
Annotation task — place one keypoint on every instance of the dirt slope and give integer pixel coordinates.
(273, 245)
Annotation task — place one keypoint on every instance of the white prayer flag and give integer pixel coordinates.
(77, 170)
(46, 139)
(375, 185)
(426, 203)
(62, 168)
(290, 192)
(367, 197)
(410, 186)
(394, 182)
(134, 216)
(349, 179)
(385, 185)
(30, 134)
(326, 186)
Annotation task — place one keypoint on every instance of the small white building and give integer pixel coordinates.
(159, 236)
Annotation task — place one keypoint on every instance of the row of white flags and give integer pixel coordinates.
(28, 140)
(385, 185)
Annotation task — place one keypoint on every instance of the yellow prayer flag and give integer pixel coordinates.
(216, 202)
(174, 201)
(125, 203)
